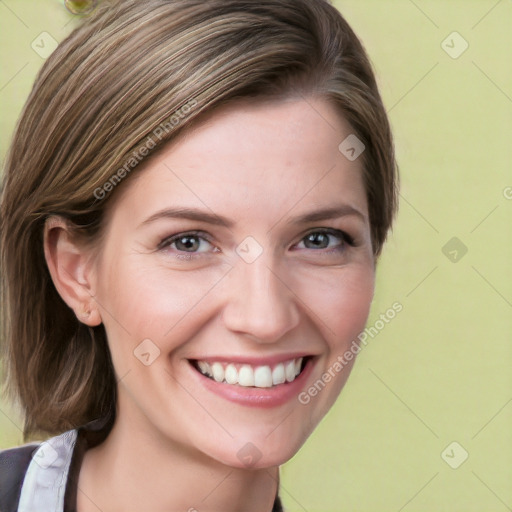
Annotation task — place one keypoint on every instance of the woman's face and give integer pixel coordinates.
(241, 251)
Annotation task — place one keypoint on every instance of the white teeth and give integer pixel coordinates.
(218, 372)
(248, 376)
(278, 376)
(298, 364)
(289, 371)
(205, 368)
(231, 375)
(263, 377)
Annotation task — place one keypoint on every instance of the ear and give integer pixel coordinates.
(72, 270)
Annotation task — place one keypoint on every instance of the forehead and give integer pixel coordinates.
(252, 158)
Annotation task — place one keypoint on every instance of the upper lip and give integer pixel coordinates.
(253, 361)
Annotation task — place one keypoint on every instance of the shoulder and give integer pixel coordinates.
(26, 471)
(14, 463)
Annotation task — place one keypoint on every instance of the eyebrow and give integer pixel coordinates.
(191, 214)
(219, 220)
(328, 213)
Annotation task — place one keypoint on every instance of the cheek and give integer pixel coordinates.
(354, 303)
(341, 303)
(142, 301)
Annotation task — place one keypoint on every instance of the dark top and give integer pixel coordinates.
(15, 462)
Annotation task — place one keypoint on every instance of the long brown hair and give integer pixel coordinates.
(131, 78)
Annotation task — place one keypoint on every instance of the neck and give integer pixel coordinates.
(134, 470)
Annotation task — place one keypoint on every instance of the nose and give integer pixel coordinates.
(260, 304)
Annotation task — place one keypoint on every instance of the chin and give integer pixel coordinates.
(259, 451)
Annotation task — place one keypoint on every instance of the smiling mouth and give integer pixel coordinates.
(249, 376)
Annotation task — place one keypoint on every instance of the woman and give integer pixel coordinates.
(193, 205)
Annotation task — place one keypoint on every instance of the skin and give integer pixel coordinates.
(261, 165)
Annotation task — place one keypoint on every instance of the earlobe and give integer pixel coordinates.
(71, 269)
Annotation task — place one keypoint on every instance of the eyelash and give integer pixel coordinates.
(344, 238)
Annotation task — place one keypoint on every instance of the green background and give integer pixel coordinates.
(440, 371)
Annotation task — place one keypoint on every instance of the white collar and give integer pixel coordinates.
(46, 478)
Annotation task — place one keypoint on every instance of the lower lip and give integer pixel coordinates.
(257, 397)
